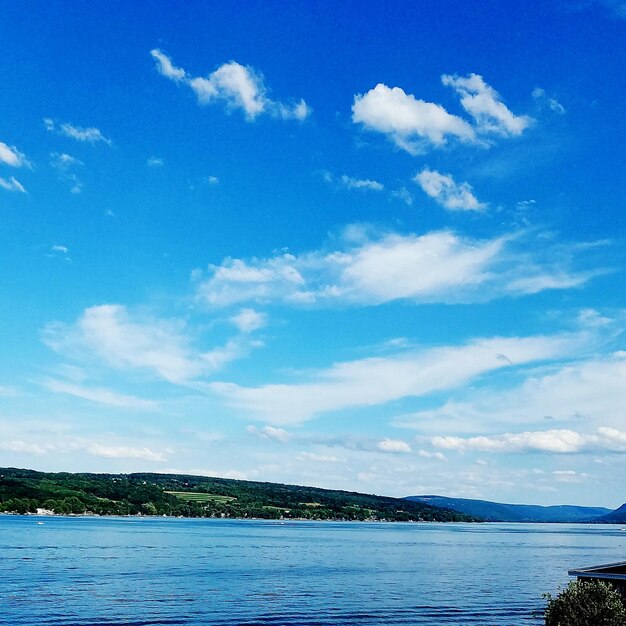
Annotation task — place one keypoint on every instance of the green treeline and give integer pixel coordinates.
(24, 491)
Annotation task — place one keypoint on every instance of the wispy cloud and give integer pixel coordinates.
(12, 184)
(483, 103)
(65, 164)
(85, 135)
(100, 396)
(590, 390)
(373, 268)
(155, 162)
(112, 335)
(377, 381)
(235, 85)
(394, 446)
(404, 195)
(449, 194)
(540, 96)
(67, 444)
(126, 452)
(10, 155)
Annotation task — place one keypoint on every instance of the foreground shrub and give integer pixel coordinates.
(586, 603)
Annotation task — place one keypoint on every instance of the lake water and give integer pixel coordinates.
(153, 571)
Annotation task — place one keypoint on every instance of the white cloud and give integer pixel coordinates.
(125, 452)
(270, 432)
(555, 441)
(23, 447)
(318, 458)
(483, 103)
(155, 162)
(236, 85)
(212, 180)
(376, 381)
(166, 67)
(411, 123)
(393, 445)
(591, 390)
(64, 163)
(88, 135)
(111, 334)
(425, 454)
(373, 268)
(403, 194)
(448, 193)
(100, 396)
(234, 349)
(12, 184)
(249, 320)
(60, 249)
(539, 95)
(10, 155)
(358, 183)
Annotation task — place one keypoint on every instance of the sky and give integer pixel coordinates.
(366, 246)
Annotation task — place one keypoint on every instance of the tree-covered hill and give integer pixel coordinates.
(23, 491)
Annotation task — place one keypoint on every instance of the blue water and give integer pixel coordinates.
(153, 571)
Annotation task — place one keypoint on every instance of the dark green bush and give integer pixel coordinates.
(586, 603)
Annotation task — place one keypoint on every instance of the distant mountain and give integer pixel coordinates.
(498, 512)
(614, 517)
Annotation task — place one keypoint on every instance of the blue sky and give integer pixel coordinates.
(357, 246)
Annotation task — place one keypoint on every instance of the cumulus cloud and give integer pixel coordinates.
(249, 320)
(12, 184)
(559, 441)
(235, 85)
(415, 125)
(270, 432)
(411, 123)
(449, 194)
(393, 445)
(376, 381)
(84, 135)
(373, 268)
(10, 155)
(556, 441)
(483, 103)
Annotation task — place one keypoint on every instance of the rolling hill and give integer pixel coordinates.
(499, 512)
(24, 491)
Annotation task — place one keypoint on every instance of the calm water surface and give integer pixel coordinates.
(152, 571)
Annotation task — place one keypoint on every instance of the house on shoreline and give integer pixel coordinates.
(614, 573)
